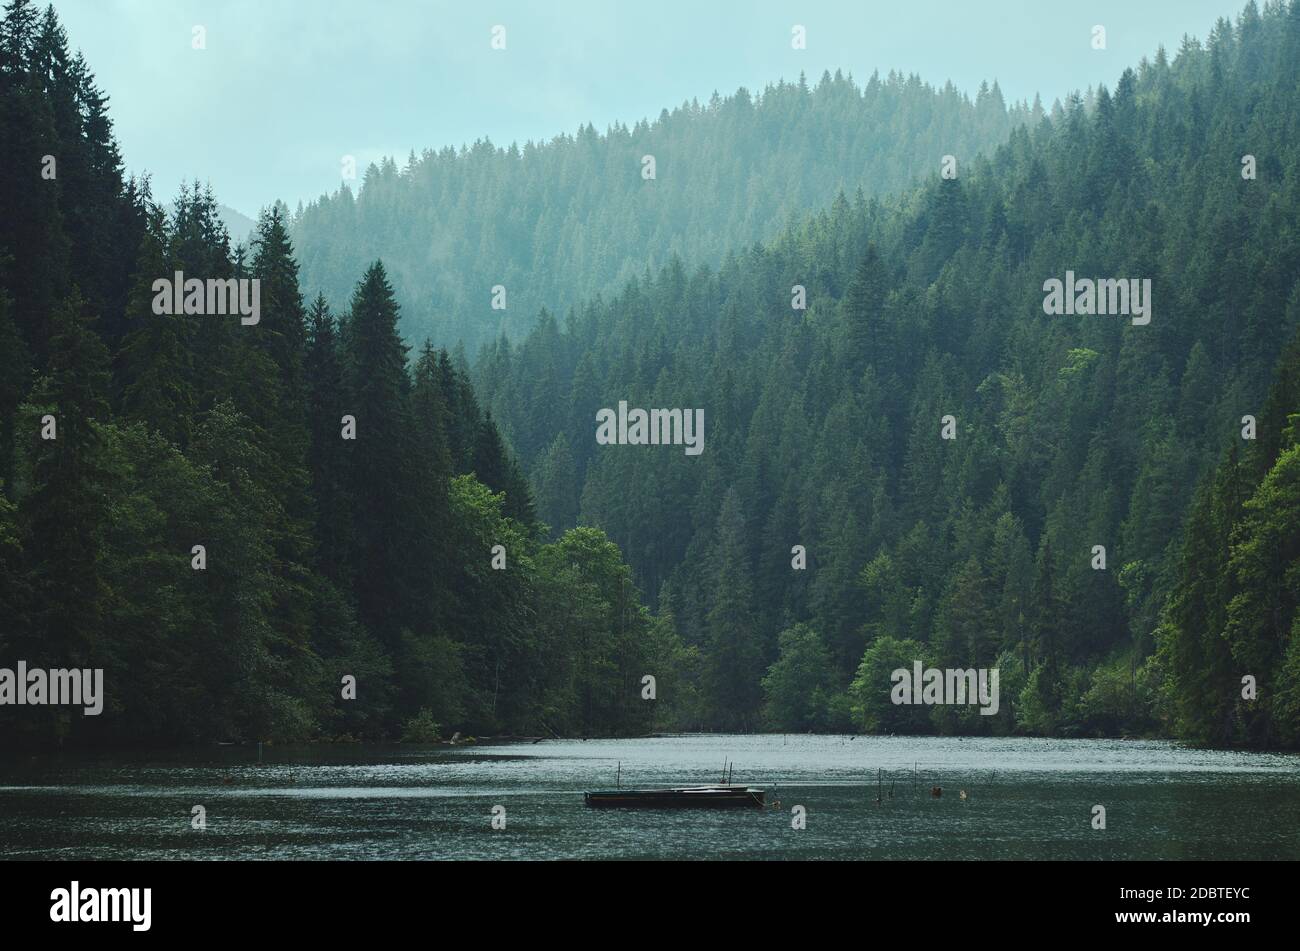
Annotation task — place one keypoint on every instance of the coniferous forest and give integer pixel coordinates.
(559, 222)
(387, 481)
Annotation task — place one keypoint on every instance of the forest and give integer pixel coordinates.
(557, 222)
(322, 558)
(384, 480)
(1071, 432)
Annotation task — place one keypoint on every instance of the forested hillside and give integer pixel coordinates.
(181, 507)
(824, 426)
(558, 222)
(314, 526)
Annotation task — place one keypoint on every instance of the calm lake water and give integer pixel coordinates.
(1027, 798)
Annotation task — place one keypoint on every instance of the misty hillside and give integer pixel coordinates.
(823, 426)
(907, 455)
(555, 223)
(238, 224)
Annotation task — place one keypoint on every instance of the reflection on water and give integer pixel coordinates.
(1027, 798)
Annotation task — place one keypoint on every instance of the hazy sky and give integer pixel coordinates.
(285, 88)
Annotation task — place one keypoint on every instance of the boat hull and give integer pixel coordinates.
(740, 797)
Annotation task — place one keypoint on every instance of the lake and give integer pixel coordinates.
(1026, 799)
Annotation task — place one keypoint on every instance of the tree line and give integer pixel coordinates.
(1060, 536)
(477, 562)
(557, 222)
(300, 529)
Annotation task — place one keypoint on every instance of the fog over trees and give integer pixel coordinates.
(387, 481)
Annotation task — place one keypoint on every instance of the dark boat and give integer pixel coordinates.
(722, 796)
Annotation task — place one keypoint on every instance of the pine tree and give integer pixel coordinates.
(14, 381)
(734, 656)
(556, 482)
(383, 472)
(327, 459)
(863, 311)
(66, 516)
(154, 367)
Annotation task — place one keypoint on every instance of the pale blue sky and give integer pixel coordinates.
(286, 87)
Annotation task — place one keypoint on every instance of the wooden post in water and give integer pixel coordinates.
(618, 781)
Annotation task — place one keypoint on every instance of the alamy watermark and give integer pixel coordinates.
(656, 427)
(950, 686)
(1128, 297)
(76, 904)
(60, 687)
(178, 295)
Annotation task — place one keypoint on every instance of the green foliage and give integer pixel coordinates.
(560, 222)
(799, 689)
(680, 703)
(1038, 704)
(200, 528)
(873, 708)
(1116, 701)
(421, 728)
(329, 558)
(595, 637)
(1072, 432)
